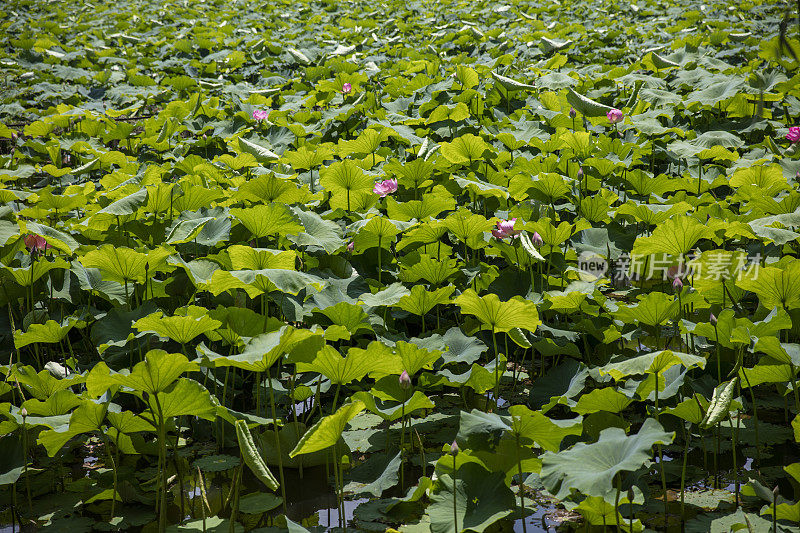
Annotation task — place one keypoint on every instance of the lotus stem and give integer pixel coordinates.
(521, 488)
(686, 436)
(616, 501)
(25, 465)
(661, 459)
(496, 371)
(755, 415)
(455, 507)
(277, 440)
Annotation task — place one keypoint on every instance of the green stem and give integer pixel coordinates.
(521, 488)
(277, 440)
(496, 371)
(455, 491)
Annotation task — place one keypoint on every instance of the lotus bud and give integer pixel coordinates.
(580, 173)
(631, 495)
(454, 448)
(405, 381)
(23, 412)
(614, 116)
(536, 239)
(713, 319)
(677, 284)
(346, 88)
(775, 492)
(572, 112)
(350, 246)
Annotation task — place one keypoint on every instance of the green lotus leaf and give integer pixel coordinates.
(719, 408)
(12, 463)
(121, 207)
(216, 463)
(412, 174)
(692, 410)
(586, 106)
(259, 502)
(307, 157)
(653, 309)
(50, 332)
(511, 85)
(256, 282)
(774, 286)
(42, 385)
(378, 232)
(415, 267)
(55, 238)
(386, 297)
(497, 315)
(590, 468)
(465, 149)
(651, 363)
(251, 456)
(546, 433)
(599, 512)
(59, 403)
(262, 351)
(27, 276)
(181, 328)
(328, 430)
(768, 179)
(430, 206)
(341, 370)
(289, 435)
(607, 399)
(481, 499)
(349, 319)
(153, 375)
(319, 234)
(261, 153)
(128, 422)
(87, 417)
(395, 408)
(414, 358)
(420, 301)
(786, 353)
(268, 219)
(674, 237)
(248, 258)
(124, 264)
(347, 183)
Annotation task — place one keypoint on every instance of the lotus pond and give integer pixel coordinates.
(424, 266)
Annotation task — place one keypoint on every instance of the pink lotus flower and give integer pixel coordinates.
(350, 246)
(614, 116)
(794, 134)
(385, 187)
(505, 228)
(35, 243)
(261, 114)
(346, 88)
(405, 381)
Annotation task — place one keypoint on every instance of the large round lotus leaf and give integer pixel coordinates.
(289, 435)
(482, 499)
(259, 502)
(590, 468)
(217, 463)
